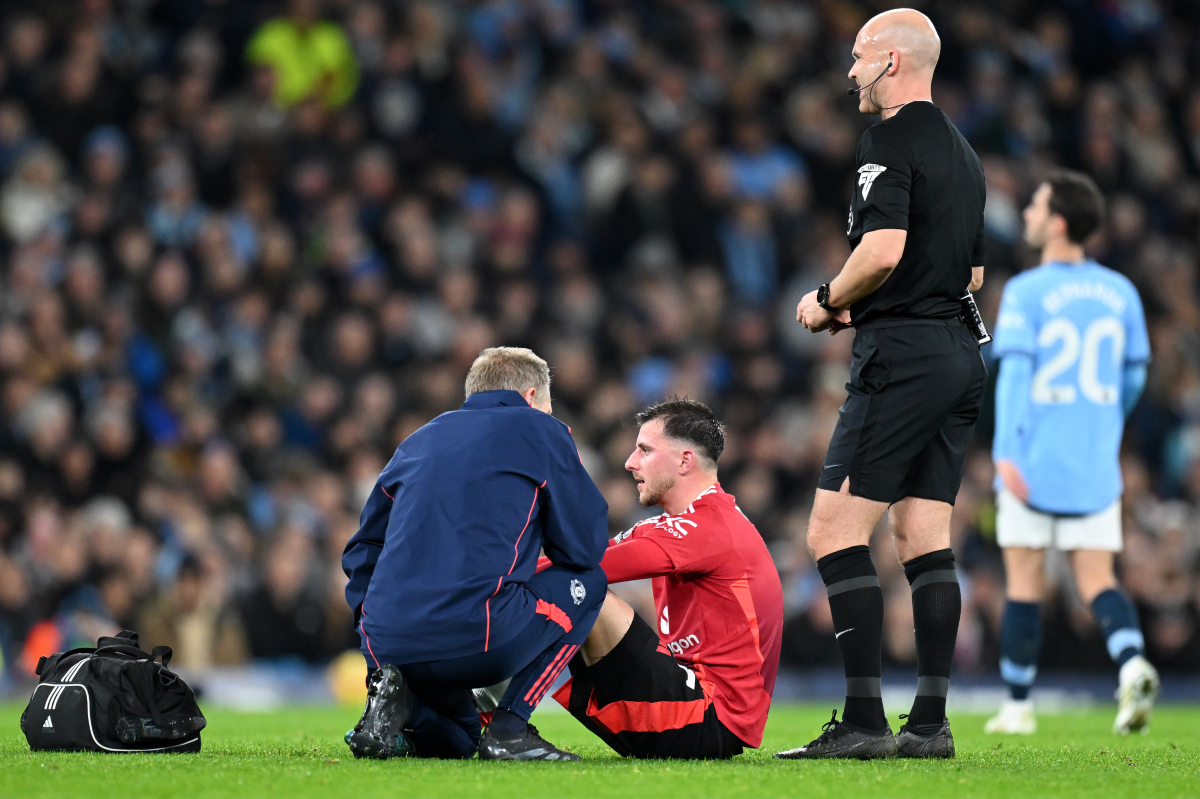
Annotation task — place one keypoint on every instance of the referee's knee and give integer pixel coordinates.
(811, 541)
(821, 540)
(824, 520)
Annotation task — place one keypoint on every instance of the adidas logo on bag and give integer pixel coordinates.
(47, 725)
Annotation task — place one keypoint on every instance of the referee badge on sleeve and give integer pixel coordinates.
(866, 176)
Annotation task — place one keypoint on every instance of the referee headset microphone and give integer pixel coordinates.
(861, 89)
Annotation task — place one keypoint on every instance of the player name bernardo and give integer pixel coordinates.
(1054, 300)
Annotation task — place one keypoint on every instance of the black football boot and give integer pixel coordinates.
(379, 733)
(841, 740)
(926, 740)
(528, 745)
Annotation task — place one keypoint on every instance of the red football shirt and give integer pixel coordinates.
(718, 599)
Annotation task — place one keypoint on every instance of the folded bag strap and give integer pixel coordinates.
(151, 699)
(164, 652)
(125, 637)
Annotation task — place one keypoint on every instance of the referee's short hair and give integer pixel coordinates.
(512, 368)
(691, 422)
(1076, 198)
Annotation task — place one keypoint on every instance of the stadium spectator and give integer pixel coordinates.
(192, 619)
(309, 57)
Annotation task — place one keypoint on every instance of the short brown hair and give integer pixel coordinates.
(689, 421)
(511, 368)
(1077, 199)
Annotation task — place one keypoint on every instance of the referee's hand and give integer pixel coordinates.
(817, 319)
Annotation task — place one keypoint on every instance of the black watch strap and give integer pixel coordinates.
(823, 299)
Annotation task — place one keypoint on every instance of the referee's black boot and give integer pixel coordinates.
(525, 745)
(841, 740)
(925, 740)
(379, 733)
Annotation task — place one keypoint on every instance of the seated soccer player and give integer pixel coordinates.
(699, 687)
(442, 571)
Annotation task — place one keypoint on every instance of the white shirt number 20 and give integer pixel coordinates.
(1086, 350)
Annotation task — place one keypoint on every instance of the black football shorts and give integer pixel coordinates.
(644, 703)
(915, 390)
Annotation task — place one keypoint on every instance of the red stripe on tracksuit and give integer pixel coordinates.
(554, 613)
(367, 638)
(557, 671)
(547, 678)
(487, 610)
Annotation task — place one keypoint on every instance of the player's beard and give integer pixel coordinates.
(656, 490)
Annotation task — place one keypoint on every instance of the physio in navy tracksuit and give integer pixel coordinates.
(441, 571)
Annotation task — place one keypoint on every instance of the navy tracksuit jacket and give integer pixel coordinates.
(451, 532)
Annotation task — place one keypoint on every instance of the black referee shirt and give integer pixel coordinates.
(917, 173)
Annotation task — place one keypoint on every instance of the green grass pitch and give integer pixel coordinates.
(298, 752)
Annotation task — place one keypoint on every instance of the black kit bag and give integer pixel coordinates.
(114, 698)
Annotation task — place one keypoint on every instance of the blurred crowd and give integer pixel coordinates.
(247, 247)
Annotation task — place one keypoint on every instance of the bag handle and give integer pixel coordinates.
(164, 652)
(53, 660)
(82, 650)
(123, 638)
(124, 649)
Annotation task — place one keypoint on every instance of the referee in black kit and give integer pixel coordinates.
(916, 385)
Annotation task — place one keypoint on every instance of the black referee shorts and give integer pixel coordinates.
(915, 390)
(644, 703)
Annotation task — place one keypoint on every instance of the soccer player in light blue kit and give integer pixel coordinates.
(1073, 349)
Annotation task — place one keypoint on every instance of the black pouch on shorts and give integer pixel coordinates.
(114, 698)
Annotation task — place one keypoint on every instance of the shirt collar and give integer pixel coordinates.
(482, 400)
(712, 491)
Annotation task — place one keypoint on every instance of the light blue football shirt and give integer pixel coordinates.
(1081, 324)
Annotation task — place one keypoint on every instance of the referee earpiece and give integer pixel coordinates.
(861, 89)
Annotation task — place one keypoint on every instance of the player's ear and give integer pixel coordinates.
(1060, 224)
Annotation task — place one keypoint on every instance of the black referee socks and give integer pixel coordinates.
(856, 603)
(937, 605)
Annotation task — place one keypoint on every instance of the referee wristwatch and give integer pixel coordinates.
(823, 298)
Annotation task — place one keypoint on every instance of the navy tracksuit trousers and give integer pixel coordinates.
(444, 722)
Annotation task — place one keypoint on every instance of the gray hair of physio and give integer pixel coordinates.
(511, 368)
